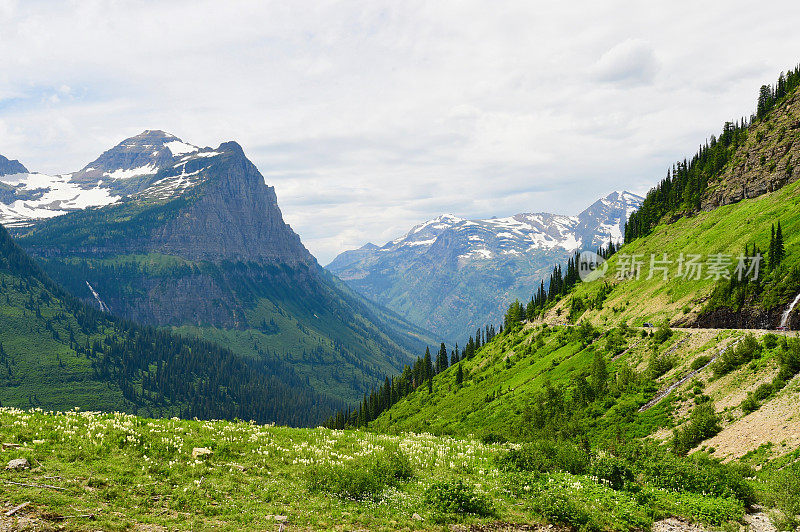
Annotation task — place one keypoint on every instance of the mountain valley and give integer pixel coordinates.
(193, 239)
(451, 275)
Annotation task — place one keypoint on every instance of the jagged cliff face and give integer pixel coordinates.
(196, 240)
(768, 161)
(745, 318)
(235, 217)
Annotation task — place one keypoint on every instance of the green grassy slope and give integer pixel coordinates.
(37, 366)
(503, 379)
(726, 230)
(541, 382)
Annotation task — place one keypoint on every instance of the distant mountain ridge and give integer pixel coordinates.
(451, 275)
(8, 167)
(168, 234)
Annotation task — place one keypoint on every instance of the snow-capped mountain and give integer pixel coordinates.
(193, 237)
(450, 274)
(153, 164)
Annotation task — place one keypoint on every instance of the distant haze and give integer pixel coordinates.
(370, 117)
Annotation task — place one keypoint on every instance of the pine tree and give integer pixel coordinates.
(771, 258)
(515, 315)
(780, 250)
(764, 101)
(459, 375)
(441, 359)
(427, 365)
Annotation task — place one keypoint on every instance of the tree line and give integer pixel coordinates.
(560, 283)
(683, 188)
(413, 376)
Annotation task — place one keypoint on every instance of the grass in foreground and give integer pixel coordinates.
(128, 470)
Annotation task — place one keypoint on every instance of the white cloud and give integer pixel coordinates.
(391, 112)
(632, 61)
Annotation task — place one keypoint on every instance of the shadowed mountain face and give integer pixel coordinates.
(194, 239)
(452, 275)
(57, 352)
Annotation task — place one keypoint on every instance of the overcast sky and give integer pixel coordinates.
(369, 117)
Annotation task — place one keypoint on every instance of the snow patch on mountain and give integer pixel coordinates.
(518, 235)
(46, 196)
(121, 173)
(178, 147)
(153, 164)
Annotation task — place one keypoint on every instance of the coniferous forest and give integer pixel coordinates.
(158, 372)
(681, 191)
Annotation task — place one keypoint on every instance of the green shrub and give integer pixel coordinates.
(700, 361)
(615, 342)
(662, 334)
(362, 478)
(703, 424)
(458, 497)
(789, 360)
(731, 359)
(750, 404)
(493, 437)
(712, 510)
(545, 456)
(559, 508)
(659, 365)
(784, 492)
(698, 473)
(395, 464)
(763, 391)
(612, 471)
(770, 341)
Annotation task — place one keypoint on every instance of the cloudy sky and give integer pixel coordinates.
(369, 117)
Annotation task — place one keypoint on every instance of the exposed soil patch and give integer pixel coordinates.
(509, 527)
(777, 421)
(673, 524)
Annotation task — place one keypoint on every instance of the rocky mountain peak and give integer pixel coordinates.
(605, 219)
(11, 167)
(153, 165)
(228, 212)
(135, 157)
